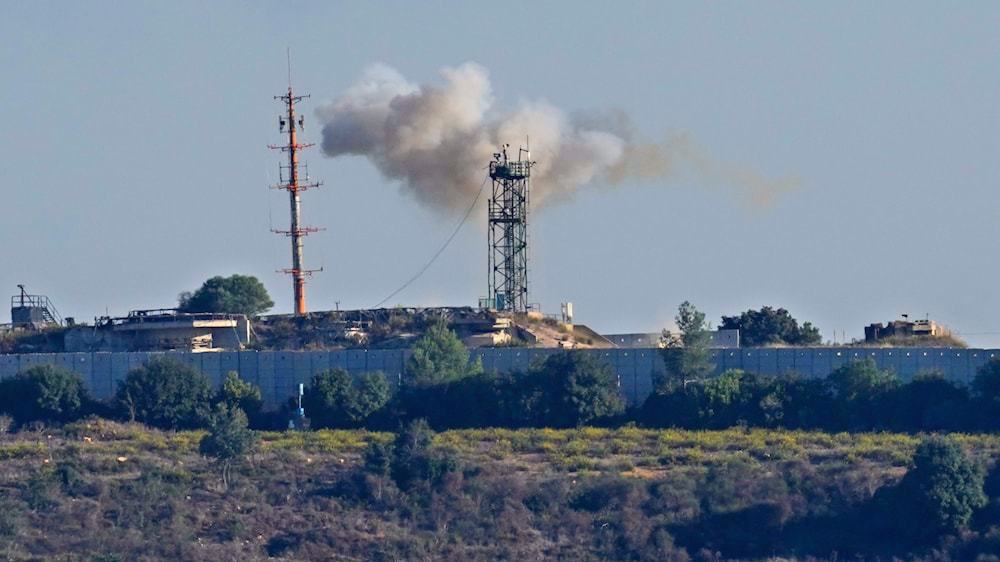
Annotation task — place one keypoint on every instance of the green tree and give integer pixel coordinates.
(687, 355)
(238, 393)
(236, 294)
(415, 461)
(861, 394)
(770, 326)
(576, 389)
(373, 393)
(165, 393)
(930, 402)
(986, 391)
(942, 490)
(723, 396)
(439, 356)
(228, 437)
(333, 399)
(43, 393)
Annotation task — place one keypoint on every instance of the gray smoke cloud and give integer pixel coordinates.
(437, 139)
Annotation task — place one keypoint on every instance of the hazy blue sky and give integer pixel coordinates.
(133, 157)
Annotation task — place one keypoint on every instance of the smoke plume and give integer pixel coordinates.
(437, 139)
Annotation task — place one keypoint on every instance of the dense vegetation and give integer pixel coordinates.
(100, 491)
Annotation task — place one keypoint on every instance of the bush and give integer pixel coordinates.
(861, 391)
(44, 393)
(165, 393)
(334, 400)
(415, 462)
(986, 390)
(938, 495)
(576, 389)
(228, 436)
(930, 403)
(238, 393)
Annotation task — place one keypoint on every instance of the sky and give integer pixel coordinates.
(134, 161)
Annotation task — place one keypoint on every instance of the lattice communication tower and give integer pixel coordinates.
(508, 231)
(294, 178)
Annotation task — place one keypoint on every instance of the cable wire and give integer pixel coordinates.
(441, 249)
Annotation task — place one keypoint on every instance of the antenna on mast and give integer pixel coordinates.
(294, 181)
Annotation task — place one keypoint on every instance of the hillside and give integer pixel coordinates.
(98, 490)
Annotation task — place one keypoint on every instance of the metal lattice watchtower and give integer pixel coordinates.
(508, 232)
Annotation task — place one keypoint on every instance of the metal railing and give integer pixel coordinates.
(41, 302)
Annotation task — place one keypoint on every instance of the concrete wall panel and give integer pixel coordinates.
(211, 365)
(228, 361)
(266, 361)
(889, 359)
(357, 360)
(768, 361)
(247, 361)
(785, 360)
(119, 368)
(821, 363)
(977, 358)
(907, 361)
(301, 367)
(376, 360)
(319, 361)
(338, 359)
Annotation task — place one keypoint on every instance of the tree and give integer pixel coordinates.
(228, 437)
(941, 491)
(439, 356)
(686, 353)
(43, 393)
(930, 402)
(333, 399)
(861, 391)
(165, 393)
(576, 389)
(415, 460)
(769, 326)
(236, 294)
(238, 393)
(986, 391)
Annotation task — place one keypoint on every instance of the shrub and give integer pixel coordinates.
(986, 390)
(939, 494)
(415, 461)
(861, 391)
(238, 393)
(228, 436)
(334, 400)
(576, 389)
(165, 393)
(43, 393)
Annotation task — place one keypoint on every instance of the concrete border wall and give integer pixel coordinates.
(278, 373)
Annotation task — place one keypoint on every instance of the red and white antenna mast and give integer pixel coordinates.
(294, 182)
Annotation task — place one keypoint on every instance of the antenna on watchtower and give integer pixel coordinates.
(294, 178)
